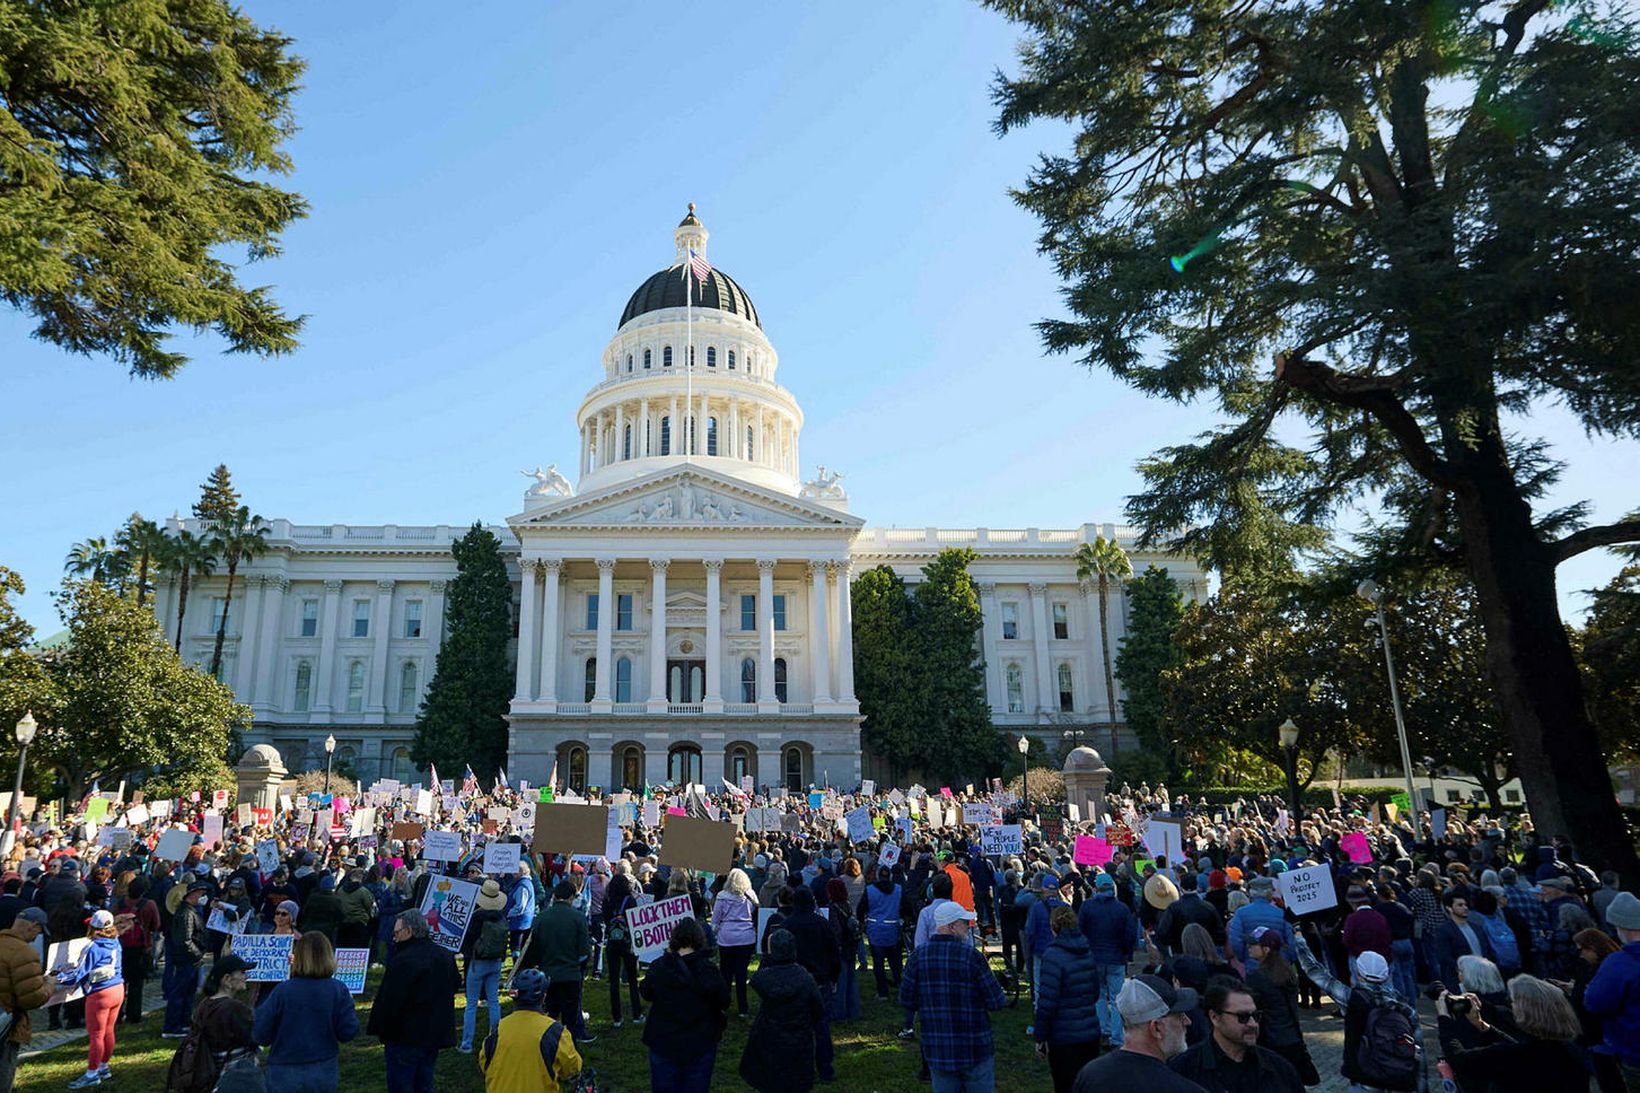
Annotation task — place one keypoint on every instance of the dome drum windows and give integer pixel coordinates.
(647, 354)
(711, 356)
(666, 357)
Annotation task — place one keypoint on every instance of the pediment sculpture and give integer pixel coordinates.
(824, 486)
(548, 483)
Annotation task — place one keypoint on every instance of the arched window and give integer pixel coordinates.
(626, 443)
(402, 766)
(793, 766)
(407, 687)
(1067, 697)
(691, 356)
(629, 362)
(304, 687)
(731, 360)
(666, 434)
(740, 763)
(1016, 689)
(355, 686)
(711, 436)
(591, 678)
(780, 679)
(647, 355)
(748, 680)
(666, 357)
(711, 356)
(683, 764)
(751, 443)
(578, 769)
(631, 767)
(623, 680)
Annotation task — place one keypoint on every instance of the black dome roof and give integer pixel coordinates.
(666, 289)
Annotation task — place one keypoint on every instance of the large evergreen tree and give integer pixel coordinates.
(136, 139)
(1155, 607)
(463, 719)
(885, 669)
(1371, 234)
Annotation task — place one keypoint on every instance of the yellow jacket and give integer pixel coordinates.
(528, 1052)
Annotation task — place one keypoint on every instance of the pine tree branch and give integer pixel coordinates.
(1603, 535)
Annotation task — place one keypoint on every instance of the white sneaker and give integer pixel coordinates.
(86, 1080)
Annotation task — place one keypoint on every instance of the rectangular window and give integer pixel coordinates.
(592, 610)
(310, 618)
(1452, 794)
(1016, 693)
(623, 611)
(412, 618)
(355, 686)
(748, 612)
(219, 608)
(1010, 621)
(361, 618)
(304, 687)
(779, 612)
(1061, 621)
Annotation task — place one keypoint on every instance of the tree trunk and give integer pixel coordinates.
(1533, 673)
(1104, 649)
(222, 623)
(182, 608)
(142, 577)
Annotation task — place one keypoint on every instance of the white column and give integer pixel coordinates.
(585, 446)
(657, 634)
(734, 450)
(381, 631)
(1045, 697)
(702, 422)
(435, 616)
(676, 428)
(524, 688)
(819, 634)
(606, 632)
(714, 630)
(551, 626)
(765, 637)
(323, 684)
(267, 643)
(620, 428)
(991, 636)
(250, 624)
(845, 634)
(603, 442)
(641, 442)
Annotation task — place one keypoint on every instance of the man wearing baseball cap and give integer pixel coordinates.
(1155, 1015)
(950, 983)
(23, 985)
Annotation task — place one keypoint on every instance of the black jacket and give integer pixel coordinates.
(188, 934)
(416, 1003)
(1201, 1064)
(1182, 912)
(779, 1051)
(1279, 1026)
(1504, 1065)
(817, 948)
(688, 998)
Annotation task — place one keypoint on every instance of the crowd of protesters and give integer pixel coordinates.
(1140, 971)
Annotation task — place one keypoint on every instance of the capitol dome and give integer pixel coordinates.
(666, 289)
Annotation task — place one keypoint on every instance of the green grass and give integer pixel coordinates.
(869, 1057)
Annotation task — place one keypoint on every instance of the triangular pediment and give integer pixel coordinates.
(686, 497)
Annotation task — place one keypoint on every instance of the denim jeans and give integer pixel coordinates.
(483, 980)
(689, 1076)
(181, 983)
(1403, 969)
(1111, 978)
(410, 1068)
(319, 1077)
(979, 1078)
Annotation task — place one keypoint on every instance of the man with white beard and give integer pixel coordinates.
(1155, 1015)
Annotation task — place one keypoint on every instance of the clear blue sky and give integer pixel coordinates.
(490, 181)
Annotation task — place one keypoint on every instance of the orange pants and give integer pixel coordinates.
(102, 1011)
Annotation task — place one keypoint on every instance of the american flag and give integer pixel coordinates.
(501, 779)
(698, 265)
(469, 784)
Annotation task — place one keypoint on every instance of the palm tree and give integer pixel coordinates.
(93, 558)
(237, 536)
(188, 556)
(138, 543)
(1099, 561)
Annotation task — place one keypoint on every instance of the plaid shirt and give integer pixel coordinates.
(1525, 903)
(952, 986)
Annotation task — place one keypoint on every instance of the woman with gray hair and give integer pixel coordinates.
(1539, 1055)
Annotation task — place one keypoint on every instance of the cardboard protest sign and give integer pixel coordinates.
(406, 829)
(859, 824)
(1307, 890)
(61, 957)
(889, 855)
(136, 816)
(441, 846)
(570, 829)
(1355, 844)
(651, 925)
(173, 845)
(1092, 850)
(501, 859)
(269, 952)
(351, 968)
(212, 829)
(243, 816)
(980, 813)
(1118, 833)
(523, 817)
(1002, 839)
(697, 844)
(448, 907)
(868, 788)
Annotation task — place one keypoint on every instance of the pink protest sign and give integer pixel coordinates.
(676, 812)
(1356, 846)
(945, 791)
(1091, 850)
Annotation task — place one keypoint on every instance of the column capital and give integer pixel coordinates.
(437, 586)
(385, 586)
(605, 565)
(333, 588)
(818, 569)
(658, 565)
(1038, 589)
(713, 565)
(766, 565)
(551, 567)
(986, 588)
(281, 583)
(1085, 587)
(838, 568)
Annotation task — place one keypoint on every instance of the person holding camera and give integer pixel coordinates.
(1540, 1054)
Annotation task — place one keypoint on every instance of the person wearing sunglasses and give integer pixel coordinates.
(1230, 1060)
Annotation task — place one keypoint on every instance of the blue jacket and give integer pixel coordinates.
(99, 967)
(304, 1021)
(1613, 995)
(1110, 928)
(1038, 927)
(883, 916)
(521, 906)
(1260, 912)
(1067, 991)
(1447, 944)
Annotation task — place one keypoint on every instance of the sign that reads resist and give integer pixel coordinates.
(1307, 890)
(652, 924)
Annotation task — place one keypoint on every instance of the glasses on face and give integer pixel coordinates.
(1245, 1017)
(281, 914)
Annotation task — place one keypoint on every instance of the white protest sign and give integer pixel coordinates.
(441, 845)
(1307, 890)
(212, 829)
(889, 856)
(219, 922)
(448, 906)
(1001, 839)
(868, 788)
(523, 819)
(173, 845)
(651, 813)
(424, 802)
(859, 824)
(269, 952)
(978, 814)
(267, 855)
(651, 925)
(137, 815)
(896, 796)
(1075, 811)
(501, 859)
(1164, 838)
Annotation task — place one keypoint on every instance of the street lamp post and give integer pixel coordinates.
(1368, 590)
(26, 728)
(330, 751)
(1288, 732)
(1025, 773)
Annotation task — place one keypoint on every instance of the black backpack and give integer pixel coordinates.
(492, 940)
(1387, 1054)
(193, 1068)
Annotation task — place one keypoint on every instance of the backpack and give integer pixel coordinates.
(1387, 1055)
(1502, 938)
(193, 1068)
(492, 940)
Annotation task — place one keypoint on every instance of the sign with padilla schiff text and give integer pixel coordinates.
(652, 924)
(1307, 890)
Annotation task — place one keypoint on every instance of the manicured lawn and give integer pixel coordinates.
(869, 1057)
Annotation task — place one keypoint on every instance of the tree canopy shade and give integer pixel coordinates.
(135, 141)
(1393, 229)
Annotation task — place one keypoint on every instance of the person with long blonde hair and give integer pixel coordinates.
(734, 924)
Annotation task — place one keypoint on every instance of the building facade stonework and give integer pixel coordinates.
(682, 610)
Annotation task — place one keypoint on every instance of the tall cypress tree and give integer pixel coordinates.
(885, 670)
(1148, 650)
(960, 741)
(463, 719)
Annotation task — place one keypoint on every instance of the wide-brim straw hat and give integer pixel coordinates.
(1160, 892)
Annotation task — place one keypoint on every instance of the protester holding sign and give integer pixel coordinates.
(97, 975)
(688, 999)
(306, 1020)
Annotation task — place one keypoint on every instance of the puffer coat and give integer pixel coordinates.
(779, 1051)
(1068, 992)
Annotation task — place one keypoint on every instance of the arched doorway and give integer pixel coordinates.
(627, 766)
(740, 761)
(683, 764)
(796, 767)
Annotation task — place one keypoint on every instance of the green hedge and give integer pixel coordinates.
(1315, 796)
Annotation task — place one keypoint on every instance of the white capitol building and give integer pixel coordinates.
(682, 610)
